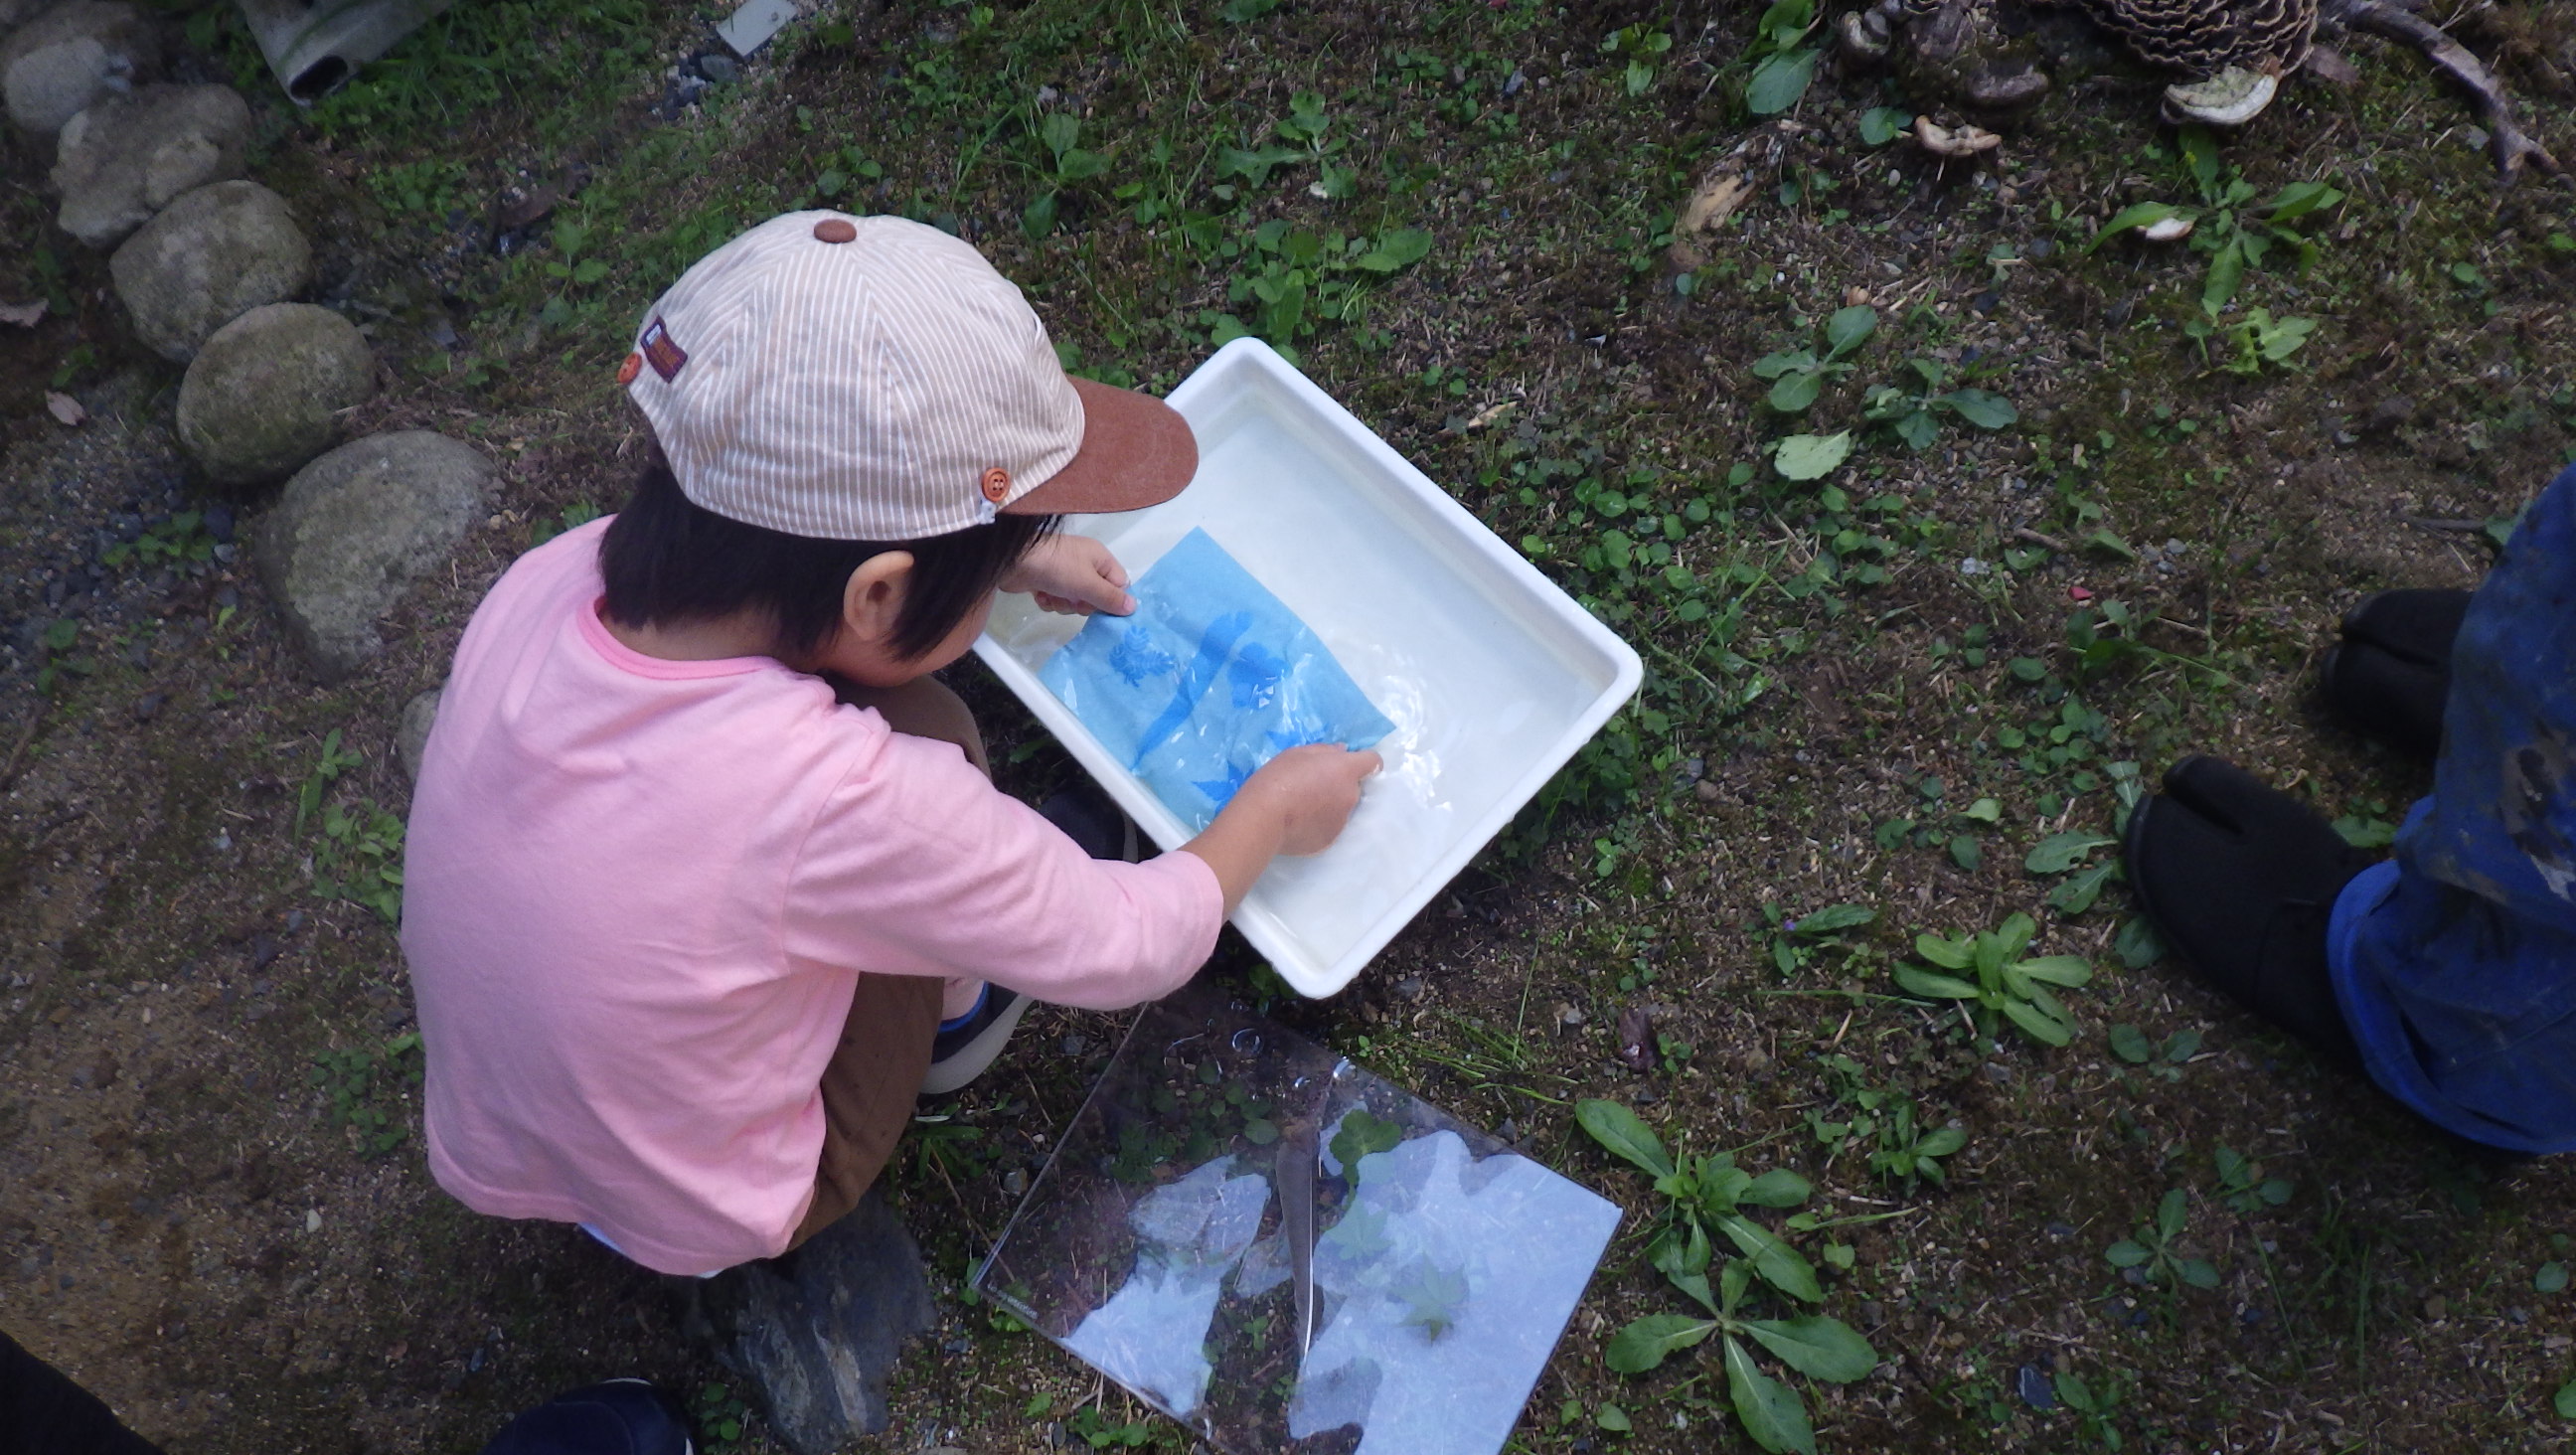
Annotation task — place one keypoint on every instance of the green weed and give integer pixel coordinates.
(2154, 1256)
(2023, 991)
(1784, 64)
(1705, 1194)
(1913, 411)
(1797, 375)
(364, 1089)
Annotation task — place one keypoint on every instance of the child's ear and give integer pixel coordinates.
(874, 597)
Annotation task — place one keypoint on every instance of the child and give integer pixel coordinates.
(2446, 973)
(689, 934)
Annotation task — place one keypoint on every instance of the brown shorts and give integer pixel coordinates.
(869, 1089)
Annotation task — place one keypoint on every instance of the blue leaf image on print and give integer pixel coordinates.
(1221, 790)
(1136, 658)
(1215, 644)
(1255, 675)
(1146, 685)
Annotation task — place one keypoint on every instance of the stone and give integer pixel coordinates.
(411, 740)
(265, 394)
(354, 529)
(212, 256)
(816, 1331)
(128, 156)
(58, 63)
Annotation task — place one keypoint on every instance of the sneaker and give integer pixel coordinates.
(1092, 819)
(2240, 880)
(959, 1053)
(620, 1417)
(2390, 676)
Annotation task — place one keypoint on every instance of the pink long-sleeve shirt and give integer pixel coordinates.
(636, 895)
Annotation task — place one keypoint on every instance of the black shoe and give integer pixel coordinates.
(2240, 879)
(959, 1056)
(1092, 819)
(621, 1417)
(2391, 674)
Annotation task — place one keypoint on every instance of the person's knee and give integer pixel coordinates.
(923, 708)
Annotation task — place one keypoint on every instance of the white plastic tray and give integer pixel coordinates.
(1492, 675)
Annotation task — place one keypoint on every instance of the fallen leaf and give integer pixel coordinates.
(64, 407)
(1488, 415)
(1636, 1039)
(1967, 141)
(2330, 65)
(1707, 211)
(25, 315)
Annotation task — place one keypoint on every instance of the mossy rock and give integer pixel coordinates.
(265, 394)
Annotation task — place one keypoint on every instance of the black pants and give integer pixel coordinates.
(43, 1413)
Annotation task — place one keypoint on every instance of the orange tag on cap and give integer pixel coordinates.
(997, 483)
(627, 371)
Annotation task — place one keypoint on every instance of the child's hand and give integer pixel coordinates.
(1312, 790)
(1074, 575)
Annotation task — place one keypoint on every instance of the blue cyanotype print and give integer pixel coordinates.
(1209, 679)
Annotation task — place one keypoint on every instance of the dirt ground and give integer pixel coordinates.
(1881, 688)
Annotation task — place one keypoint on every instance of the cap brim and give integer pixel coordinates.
(1136, 451)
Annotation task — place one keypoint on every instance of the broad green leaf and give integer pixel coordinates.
(2131, 1045)
(1680, 1254)
(2079, 891)
(1778, 1187)
(1696, 1285)
(2199, 1274)
(1985, 810)
(1933, 987)
(1780, 1265)
(1849, 328)
(1917, 429)
(1078, 165)
(1983, 409)
(1614, 1419)
(2074, 1393)
(2138, 944)
(1617, 1128)
(1966, 852)
(1948, 954)
(2125, 1254)
(1650, 1340)
(1773, 365)
(1779, 81)
(2067, 970)
(2060, 852)
(1942, 1143)
(1793, 392)
(2551, 1278)
(1811, 456)
(2565, 1400)
(1401, 248)
(1038, 218)
(1880, 125)
(1835, 917)
(2200, 154)
(2136, 215)
(2011, 938)
(1771, 1411)
(2041, 1025)
(2301, 198)
(2226, 275)
(1817, 1346)
(2170, 1215)
(1060, 130)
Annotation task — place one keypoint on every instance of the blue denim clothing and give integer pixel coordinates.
(2455, 962)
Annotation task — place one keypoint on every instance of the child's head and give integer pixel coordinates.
(862, 427)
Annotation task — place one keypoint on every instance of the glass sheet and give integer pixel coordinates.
(1162, 1245)
(1207, 680)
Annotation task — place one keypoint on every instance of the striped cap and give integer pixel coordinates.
(871, 378)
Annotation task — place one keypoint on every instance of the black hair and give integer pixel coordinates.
(668, 560)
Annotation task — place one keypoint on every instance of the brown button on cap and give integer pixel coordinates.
(627, 371)
(997, 483)
(835, 230)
